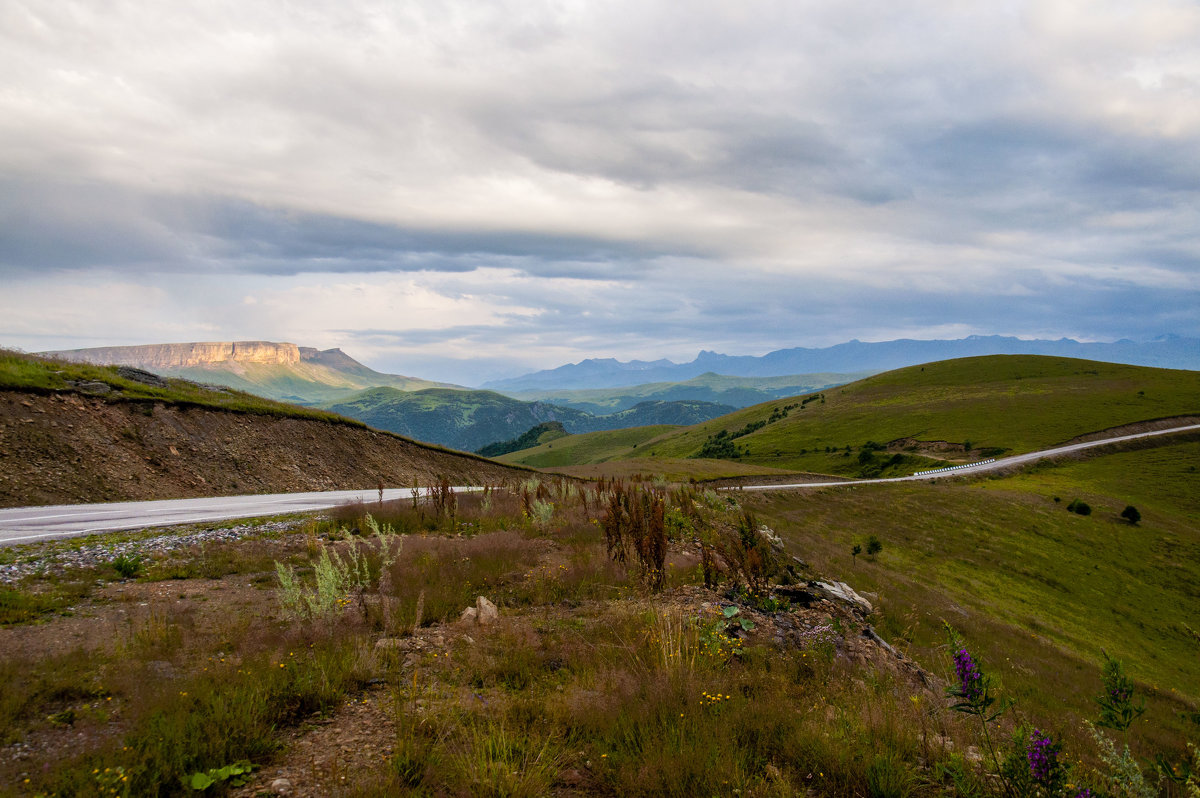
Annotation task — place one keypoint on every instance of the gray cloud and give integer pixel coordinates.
(626, 178)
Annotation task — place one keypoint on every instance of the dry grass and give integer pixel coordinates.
(589, 684)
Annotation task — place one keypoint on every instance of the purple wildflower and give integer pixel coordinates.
(1042, 755)
(1086, 792)
(970, 680)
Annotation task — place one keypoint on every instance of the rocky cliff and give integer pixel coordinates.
(169, 356)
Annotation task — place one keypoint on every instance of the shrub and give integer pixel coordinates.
(128, 566)
(635, 518)
(1079, 508)
(1131, 514)
(339, 580)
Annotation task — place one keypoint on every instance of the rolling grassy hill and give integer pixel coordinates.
(1038, 591)
(974, 406)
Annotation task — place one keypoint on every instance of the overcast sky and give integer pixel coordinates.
(430, 185)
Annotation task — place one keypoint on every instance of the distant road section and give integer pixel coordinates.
(986, 465)
(27, 524)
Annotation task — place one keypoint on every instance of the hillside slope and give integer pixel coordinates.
(71, 434)
(953, 410)
(470, 420)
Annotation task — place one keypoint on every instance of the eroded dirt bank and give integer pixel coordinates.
(67, 448)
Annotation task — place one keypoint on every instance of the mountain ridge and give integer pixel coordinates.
(852, 356)
(277, 370)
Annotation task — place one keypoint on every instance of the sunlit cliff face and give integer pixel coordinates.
(192, 354)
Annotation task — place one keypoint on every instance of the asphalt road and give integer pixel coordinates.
(994, 465)
(26, 524)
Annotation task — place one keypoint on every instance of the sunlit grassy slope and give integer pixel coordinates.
(589, 447)
(1008, 403)
(1037, 590)
(28, 372)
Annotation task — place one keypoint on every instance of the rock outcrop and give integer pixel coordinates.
(168, 356)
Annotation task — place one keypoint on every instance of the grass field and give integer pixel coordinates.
(589, 447)
(1040, 590)
(996, 404)
(594, 683)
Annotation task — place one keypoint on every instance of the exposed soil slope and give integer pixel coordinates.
(66, 447)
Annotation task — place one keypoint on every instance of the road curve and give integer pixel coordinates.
(26, 524)
(993, 465)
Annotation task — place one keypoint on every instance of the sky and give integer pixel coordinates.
(464, 191)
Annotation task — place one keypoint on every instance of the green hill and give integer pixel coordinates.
(953, 410)
(710, 387)
(465, 420)
(470, 420)
(590, 447)
(542, 433)
(1038, 591)
(19, 371)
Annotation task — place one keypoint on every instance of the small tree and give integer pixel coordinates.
(873, 546)
(855, 551)
(1079, 508)
(1131, 514)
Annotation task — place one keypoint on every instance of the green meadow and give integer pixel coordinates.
(1039, 592)
(994, 405)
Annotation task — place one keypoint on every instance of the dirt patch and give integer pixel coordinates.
(774, 479)
(1134, 429)
(331, 756)
(66, 448)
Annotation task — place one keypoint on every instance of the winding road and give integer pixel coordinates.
(27, 524)
(978, 468)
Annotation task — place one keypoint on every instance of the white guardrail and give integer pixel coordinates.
(955, 468)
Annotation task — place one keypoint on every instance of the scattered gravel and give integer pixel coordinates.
(40, 561)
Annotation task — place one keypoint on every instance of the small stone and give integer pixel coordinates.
(281, 786)
(469, 615)
(486, 610)
(95, 388)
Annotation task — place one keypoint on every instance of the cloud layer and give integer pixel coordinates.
(539, 182)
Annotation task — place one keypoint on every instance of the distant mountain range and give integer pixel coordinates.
(854, 356)
(716, 388)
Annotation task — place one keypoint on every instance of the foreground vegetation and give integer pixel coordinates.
(650, 641)
(1044, 592)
